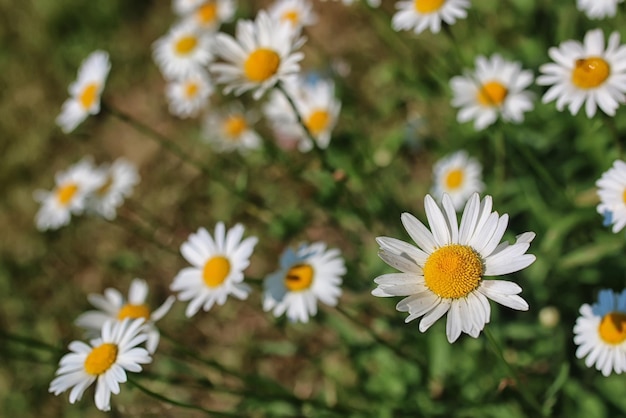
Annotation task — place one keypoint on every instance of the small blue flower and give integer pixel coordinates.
(609, 301)
(608, 218)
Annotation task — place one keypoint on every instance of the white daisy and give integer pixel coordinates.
(458, 175)
(262, 55)
(85, 92)
(586, 73)
(444, 273)
(105, 361)
(113, 306)
(231, 129)
(184, 50)
(298, 13)
(419, 15)
(612, 193)
(68, 198)
(119, 180)
(600, 333)
(218, 264)
(184, 7)
(598, 9)
(188, 95)
(309, 274)
(496, 88)
(209, 15)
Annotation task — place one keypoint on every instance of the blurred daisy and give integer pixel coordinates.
(600, 333)
(85, 92)
(105, 361)
(612, 193)
(419, 15)
(184, 7)
(113, 306)
(119, 180)
(231, 129)
(598, 9)
(309, 274)
(183, 51)
(188, 95)
(373, 3)
(262, 55)
(458, 175)
(218, 264)
(444, 273)
(586, 73)
(496, 88)
(68, 198)
(210, 14)
(298, 13)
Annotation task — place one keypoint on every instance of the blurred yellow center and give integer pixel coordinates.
(453, 271)
(624, 196)
(317, 121)
(299, 277)
(89, 95)
(612, 328)
(234, 126)
(261, 65)
(215, 271)
(134, 311)
(191, 89)
(185, 45)
(492, 93)
(66, 192)
(590, 72)
(454, 178)
(206, 14)
(428, 6)
(291, 16)
(101, 358)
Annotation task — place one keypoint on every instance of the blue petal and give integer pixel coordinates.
(608, 218)
(607, 302)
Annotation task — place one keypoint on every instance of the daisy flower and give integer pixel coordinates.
(119, 180)
(444, 273)
(69, 195)
(261, 55)
(598, 9)
(188, 95)
(184, 7)
(458, 175)
(113, 306)
(230, 130)
(210, 14)
(612, 193)
(496, 88)
(298, 13)
(600, 333)
(419, 15)
(184, 50)
(309, 274)
(104, 361)
(85, 92)
(218, 264)
(586, 73)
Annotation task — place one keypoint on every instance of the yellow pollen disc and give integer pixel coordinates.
(207, 13)
(612, 329)
(492, 93)
(624, 196)
(299, 277)
(454, 178)
(185, 45)
(101, 358)
(215, 271)
(191, 89)
(291, 16)
(234, 126)
(66, 192)
(590, 72)
(453, 271)
(134, 311)
(89, 95)
(317, 121)
(428, 6)
(261, 65)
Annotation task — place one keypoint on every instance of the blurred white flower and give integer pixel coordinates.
(183, 51)
(231, 129)
(210, 14)
(419, 15)
(298, 13)
(188, 95)
(612, 193)
(598, 9)
(458, 175)
(119, 180)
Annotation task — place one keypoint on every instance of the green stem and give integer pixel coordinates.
(30, 342)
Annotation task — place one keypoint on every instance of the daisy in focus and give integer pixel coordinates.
(612, 193)
(298, 13)
(210, 14)
(218, 264)
(497, 88)
(188, 95)
(231, 129)
(85, 92)
(600, 333)
(183, 51)
(419, 15)
(113, 306)
(586, 73)
(309, 274)
(445, 272)
(458, 175)
(598, 9)
(104, 361)
(69, 196)
(119, 180)
(261, 55)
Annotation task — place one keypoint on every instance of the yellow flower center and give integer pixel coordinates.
(454, 178)
(453, 271)
(234, 126)
(612, 328)
(206, 14)
(590, 72)
(624, 195)
(317, 121)
(89, 95)
(428, 6)
(492, 93)
(101, 358)
(299, 277)
(191, 89)
(291, 16)
(66, 192)
(185, 45)
(134, 311)
(215, 271)
(261, 65)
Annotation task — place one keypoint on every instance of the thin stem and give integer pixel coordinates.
(30, 342)
(130, 226)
